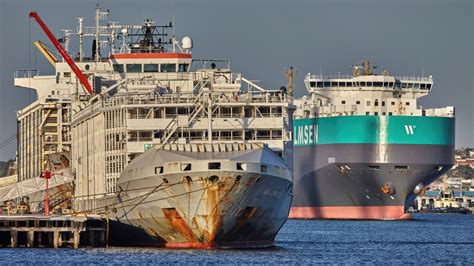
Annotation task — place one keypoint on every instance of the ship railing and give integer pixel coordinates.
(277, 97)
(248, 98)
(91, 59)
(274, 96)
(149, 98)
(207, 63)
(191, 99)
(25, 73)
(149, 78)
(225, 137)
(320, 76)
(154, 98)
(347, 76)
(414, 78)
(228, 115)
(195, 138)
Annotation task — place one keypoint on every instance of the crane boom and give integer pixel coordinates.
(63, 53)
(46, 52)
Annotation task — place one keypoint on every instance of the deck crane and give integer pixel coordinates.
(63, 53)
(46, 52)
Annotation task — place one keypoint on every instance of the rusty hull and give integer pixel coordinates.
(233, 212)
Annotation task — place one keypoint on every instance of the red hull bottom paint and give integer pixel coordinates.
(190, 245)
(214, 245)
(350, 213)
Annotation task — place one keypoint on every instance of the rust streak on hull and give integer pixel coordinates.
(179, 224)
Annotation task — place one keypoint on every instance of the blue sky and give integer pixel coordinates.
(262, 38)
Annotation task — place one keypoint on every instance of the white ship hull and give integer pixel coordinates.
(202, 208)
(205, 214)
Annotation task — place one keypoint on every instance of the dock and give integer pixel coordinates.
(56, 231)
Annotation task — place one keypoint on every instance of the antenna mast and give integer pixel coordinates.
(174, 30)
(98, 16)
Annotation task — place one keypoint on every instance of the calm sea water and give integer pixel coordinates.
(435, 238)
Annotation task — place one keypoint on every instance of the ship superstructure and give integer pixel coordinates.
(149, 94)
(363, 147)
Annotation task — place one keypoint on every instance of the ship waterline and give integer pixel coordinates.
(350, 213)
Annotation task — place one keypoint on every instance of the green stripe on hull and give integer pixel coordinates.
(374, 130)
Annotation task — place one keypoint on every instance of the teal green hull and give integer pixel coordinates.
(340, 164)
(374, 130)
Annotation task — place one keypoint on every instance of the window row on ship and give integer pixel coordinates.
(377, 103)
(150, 68)
(222, 135)
(365, 84)
(188, 166)
(219, 112)
(366, 113)
(370, 107)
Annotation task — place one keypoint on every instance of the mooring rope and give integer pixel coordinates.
(145, 197)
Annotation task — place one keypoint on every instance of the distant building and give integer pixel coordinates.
(445, 199)
(464, 161)
(451, 190)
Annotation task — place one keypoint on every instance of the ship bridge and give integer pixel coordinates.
(150, 62)
(367, 93)
(421, 84)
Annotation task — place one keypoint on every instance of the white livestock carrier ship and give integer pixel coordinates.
(176, 152)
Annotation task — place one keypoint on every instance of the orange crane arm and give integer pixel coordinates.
(47, 54)
(63, 53)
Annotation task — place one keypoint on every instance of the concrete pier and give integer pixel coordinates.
(34, 231)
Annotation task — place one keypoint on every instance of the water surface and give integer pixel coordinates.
(428, 238)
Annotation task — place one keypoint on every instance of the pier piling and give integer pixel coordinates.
(14, 238)
(52, 231)
(30, 239)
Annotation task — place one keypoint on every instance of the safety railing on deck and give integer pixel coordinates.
(347, 76)
(25, 73)
(189, 98)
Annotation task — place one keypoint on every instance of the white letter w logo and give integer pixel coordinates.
(409, 129)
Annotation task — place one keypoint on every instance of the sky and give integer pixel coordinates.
(262, 38)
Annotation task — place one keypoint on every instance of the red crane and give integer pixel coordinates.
(63, 53)
(46, 175)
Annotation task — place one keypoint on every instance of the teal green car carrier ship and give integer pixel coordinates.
(363, 149)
